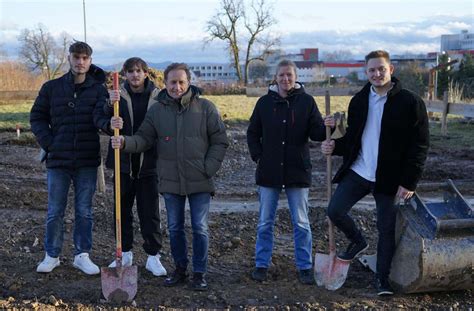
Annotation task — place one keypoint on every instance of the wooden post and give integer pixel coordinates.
(101, 177)
(444, 118)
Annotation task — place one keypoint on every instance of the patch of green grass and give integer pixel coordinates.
(460, 135)
(16, 112)
(238, 108)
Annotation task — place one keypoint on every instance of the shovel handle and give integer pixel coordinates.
(332, 243)
(118, 225)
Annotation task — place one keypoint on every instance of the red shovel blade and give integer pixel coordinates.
(119, 284)
(330, 271)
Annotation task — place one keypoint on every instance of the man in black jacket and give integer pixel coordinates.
(138, 175)
(384, 151)
(64, 119)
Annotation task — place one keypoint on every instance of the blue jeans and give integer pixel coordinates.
(199, 206)
(298, 205)
(351, 189)
(59, 181)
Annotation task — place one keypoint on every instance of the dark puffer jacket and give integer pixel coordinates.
(191, 139)
(403, 144)
(147, 158)
(278, 136)
(65, 122)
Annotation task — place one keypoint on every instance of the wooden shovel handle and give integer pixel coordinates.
(118, 226)
(332, 244)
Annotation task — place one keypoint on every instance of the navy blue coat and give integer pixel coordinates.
(403, 144)
(278, 138)
(65, 122)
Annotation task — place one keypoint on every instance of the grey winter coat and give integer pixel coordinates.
(192, 142)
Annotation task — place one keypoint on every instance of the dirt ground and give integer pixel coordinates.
(23, 205)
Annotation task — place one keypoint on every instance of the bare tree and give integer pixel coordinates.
(337, 56)
(243, 28)
(40, 51)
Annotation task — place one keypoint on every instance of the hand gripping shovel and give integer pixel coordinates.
(330, 271)
(120, 283)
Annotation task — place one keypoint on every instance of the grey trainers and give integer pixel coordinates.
(260, 274)
(353, 250)
(306, 276)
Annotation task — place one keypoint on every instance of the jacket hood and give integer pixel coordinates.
(298, 89)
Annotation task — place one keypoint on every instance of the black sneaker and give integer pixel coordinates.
(179, 276)
(353, 250)
(382, 286)
(198, 282)
(260, 274)
(306, 276)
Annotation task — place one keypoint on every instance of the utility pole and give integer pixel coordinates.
(84, 10)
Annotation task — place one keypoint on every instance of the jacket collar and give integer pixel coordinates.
(93, 76)
(192, 93)
(298, 89)
(397, 86)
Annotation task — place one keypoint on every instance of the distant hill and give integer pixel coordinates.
(118, 66)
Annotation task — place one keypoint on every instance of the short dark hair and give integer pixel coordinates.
(377, 54)
(134, 61)
(80, 47)
(177, 66)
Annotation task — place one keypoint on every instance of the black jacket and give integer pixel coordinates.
(278, 135)
(147, 158)
(403, 144)
(65, 122)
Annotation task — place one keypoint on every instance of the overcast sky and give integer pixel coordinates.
(174, 30)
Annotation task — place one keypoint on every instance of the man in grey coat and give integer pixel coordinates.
(191, 144)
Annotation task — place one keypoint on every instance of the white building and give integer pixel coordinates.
(462, 41)
(214, 72)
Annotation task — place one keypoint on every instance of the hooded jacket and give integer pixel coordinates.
(403, 143)
(278, 137)
(65, 121)
(147, 158)
(192, 142)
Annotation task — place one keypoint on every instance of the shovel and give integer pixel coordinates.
(119, 284)
(330, 271)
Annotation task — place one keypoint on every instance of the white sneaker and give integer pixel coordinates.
(154, 265)
(83, 263)
(48, 264)
(127, 260)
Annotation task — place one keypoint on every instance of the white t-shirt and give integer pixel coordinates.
(366, 163)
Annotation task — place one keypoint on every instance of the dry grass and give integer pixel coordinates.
(237, 108)
(233, 108)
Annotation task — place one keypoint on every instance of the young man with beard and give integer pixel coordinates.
(64, 118)
(384, 152)
(138, 175)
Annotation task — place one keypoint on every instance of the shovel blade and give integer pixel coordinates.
(330, 271)
(119, 284)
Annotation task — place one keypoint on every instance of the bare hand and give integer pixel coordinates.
(404, 193)
(329, 121)
(116, 123)
(117, 142)
(327, 147)
(114, 95)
